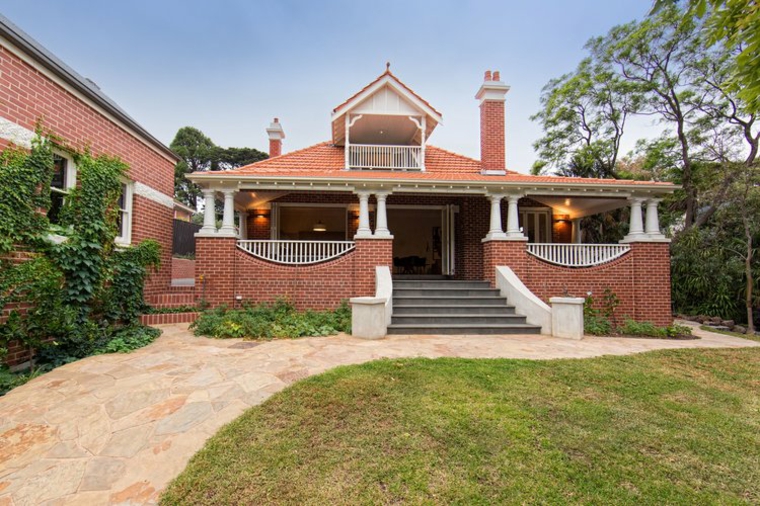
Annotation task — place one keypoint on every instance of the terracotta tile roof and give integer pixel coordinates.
(327, 160)
(398, 81)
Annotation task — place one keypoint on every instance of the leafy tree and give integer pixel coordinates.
(232, 158)
(583, 116)
(199, 153)
(736, 23)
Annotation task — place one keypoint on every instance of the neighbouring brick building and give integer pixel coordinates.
(311, 225)
(38, 88)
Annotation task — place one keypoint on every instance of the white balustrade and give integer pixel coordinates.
(577, 255)
(374, 156)
(296, 252)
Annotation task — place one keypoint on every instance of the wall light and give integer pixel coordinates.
(320, 227)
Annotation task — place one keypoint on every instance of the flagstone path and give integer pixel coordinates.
(115, 429)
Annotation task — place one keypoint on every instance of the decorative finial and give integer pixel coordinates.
(387, 66)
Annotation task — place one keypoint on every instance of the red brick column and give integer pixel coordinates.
(651, 278)
(215, 269)
(369, 254)
(497, 252)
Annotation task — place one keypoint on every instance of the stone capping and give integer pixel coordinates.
(384, 289)
(536, 311)
(645, 239)
(368, 320)
(373, 237)
(505, 239)
(567, 317)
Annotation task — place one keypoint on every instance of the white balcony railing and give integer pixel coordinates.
(577, 255)
(372, 156)
(296, 252)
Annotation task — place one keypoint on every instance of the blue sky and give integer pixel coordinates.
(228, 67)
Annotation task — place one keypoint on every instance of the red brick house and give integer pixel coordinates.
(312, 225)
(35, 86)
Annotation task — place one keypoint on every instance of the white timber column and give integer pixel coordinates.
(636, 226)
(381, 226)
(513, 218)
(228, 217)
(243, 229)
(495, 230)
(576, 234)
(653, 220)
(209, 212)
(363, 230)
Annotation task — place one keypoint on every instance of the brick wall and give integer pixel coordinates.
(223, 271)
(640, 279)
(28, 96)
(183, 268)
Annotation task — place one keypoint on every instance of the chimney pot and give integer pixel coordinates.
(276, 135)
(487, 77)
(496, 76)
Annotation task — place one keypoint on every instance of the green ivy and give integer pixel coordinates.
(24, 180)
(85, 294)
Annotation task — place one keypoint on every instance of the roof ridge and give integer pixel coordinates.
(297, 151)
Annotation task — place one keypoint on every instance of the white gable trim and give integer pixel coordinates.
(393, 83)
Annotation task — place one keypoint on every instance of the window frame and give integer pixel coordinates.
(124, 237)
(70, 177)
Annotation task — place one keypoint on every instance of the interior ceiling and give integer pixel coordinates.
(377, 129)
(257, 199)
(580, 207)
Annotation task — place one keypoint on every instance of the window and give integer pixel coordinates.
(124, 220)
(536, 224)
(64, 178)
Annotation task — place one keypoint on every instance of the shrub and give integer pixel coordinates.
(271, 321)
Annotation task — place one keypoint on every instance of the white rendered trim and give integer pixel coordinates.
(15, 133)
(145, 191)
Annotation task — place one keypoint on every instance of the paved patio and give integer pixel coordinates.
(115, 429)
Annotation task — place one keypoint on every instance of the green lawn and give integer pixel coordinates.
(677, 427)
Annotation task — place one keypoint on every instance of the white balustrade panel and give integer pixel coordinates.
(373, 156)
(577, 255)
(296, 252)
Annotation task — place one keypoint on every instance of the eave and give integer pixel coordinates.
(411, 185)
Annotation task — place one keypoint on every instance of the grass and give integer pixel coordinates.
(674, 427)
(751, 337)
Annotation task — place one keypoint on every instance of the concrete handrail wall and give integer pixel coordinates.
(536, 311)
(384, 289)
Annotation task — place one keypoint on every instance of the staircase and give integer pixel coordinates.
(453, 307)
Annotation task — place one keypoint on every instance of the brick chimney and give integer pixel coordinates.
(276, 135)
(491, 95)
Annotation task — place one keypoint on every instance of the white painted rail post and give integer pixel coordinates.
(495, 230)
(228, 217)
(209, 212)
(363, 230)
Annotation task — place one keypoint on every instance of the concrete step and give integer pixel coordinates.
(445, 292)
(424, 309)
(439, 284)
(457, 319)
(405, 300)
(464, 329)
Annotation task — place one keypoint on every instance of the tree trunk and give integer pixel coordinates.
(750, 280)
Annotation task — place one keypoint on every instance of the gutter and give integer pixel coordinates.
(36, 51)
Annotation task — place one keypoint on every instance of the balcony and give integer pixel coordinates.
(384, 157)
